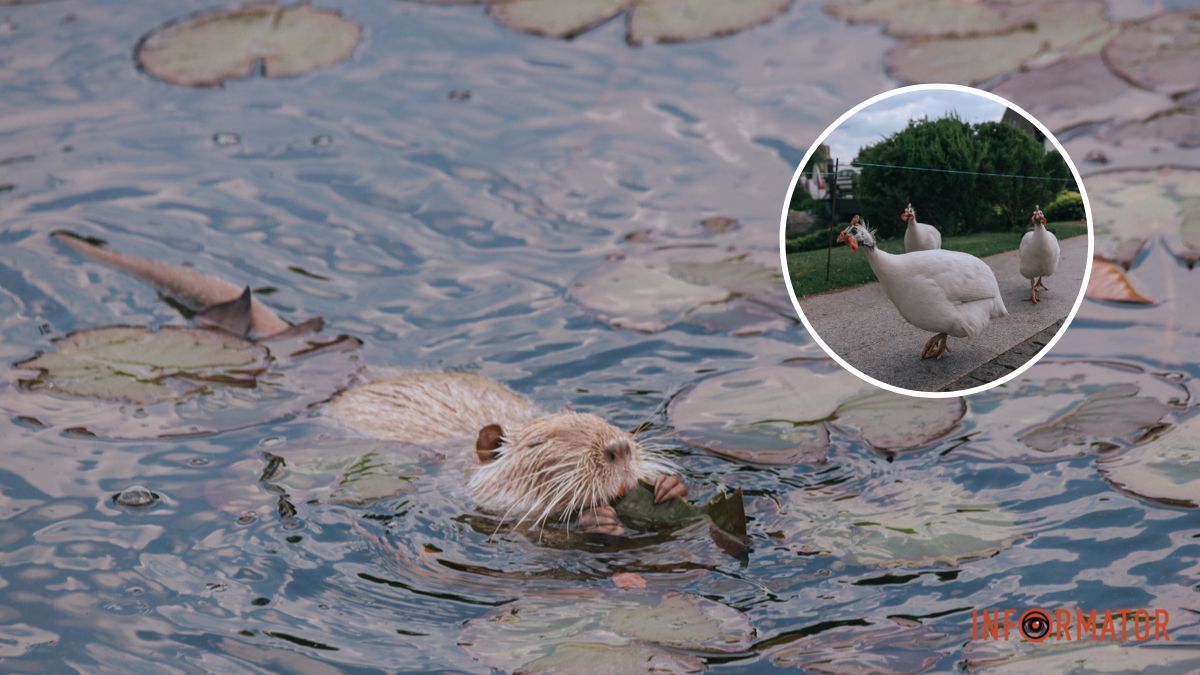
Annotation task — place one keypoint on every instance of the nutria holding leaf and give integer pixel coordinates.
(529, 466)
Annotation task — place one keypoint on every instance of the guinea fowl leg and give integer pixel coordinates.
(936, 347)
(1041, 285)
(1032, 292)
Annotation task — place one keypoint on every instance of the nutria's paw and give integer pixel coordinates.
(668, 487)
(601, 520)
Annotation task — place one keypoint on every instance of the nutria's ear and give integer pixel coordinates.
(232, 316)
(488, 442)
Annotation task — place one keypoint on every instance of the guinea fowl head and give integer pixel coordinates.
(1038, 216)
(857, 233)
(908, 213)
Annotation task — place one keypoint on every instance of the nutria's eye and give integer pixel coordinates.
(610, 455)
(616, 450)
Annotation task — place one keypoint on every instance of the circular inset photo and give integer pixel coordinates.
(936, 240)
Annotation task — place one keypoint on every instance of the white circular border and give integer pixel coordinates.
(787, 278)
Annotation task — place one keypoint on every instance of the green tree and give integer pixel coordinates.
(1006, 149)
(947, 200)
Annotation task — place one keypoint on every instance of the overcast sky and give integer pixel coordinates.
(882, 118)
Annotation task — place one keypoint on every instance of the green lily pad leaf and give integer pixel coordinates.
(208, 48)
(1179, 127)
(726, 514)
(1061, 29)
(892, 422)
(906, 523)
(1166, 470)
(370, 477)
(925, 18)
(427, 408)
(531, 629)
(631, 295)
(893, 646)
(141, 366)
(585, 657)
(686, 20)
(740, 275)
(176, 380)
(1079, 90)
(1018, 656)
(637, 510)
(779, 415)
(1113, 414)
(355, 473)
(554, 18)
(1065, 409)
(1159, 54)
(1130, 207)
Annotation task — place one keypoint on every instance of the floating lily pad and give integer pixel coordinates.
(1108, 282)
(686, 20)
(1064, 409)
(176, 380)
(208, 48)
(1130, 207)
(930, 18)
(1021, 657)
(555, 18)
(912, 522)
(141, 366)
(893, 646)
(425, 408)
(780, 415)
(1178, 127)
(529, 630)
(601, 659)
(1062, 29)
(1159, 54)
(632, 295)
(759, 281)
(892, 422)
(1166, 470)
(342, 472)
(1079, 90)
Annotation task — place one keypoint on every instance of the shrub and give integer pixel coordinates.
(1068, 205)
(816, 240)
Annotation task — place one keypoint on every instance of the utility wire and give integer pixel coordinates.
(955, 171)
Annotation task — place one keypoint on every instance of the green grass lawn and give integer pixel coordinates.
(851, 269)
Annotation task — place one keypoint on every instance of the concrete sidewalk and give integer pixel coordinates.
(863, 327)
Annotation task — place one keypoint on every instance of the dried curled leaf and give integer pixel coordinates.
(1108, 282)
(1160, 54)
(206, 49)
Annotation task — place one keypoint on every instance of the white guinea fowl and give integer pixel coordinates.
(919, 236)
(946, 292)
(1039, 254)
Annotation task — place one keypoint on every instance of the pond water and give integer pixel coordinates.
(437, 196)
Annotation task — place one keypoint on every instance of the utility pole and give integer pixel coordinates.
(832, 219)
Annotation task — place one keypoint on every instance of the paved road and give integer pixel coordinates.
(865, 329)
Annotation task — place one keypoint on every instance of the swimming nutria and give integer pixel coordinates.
(529, 465)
